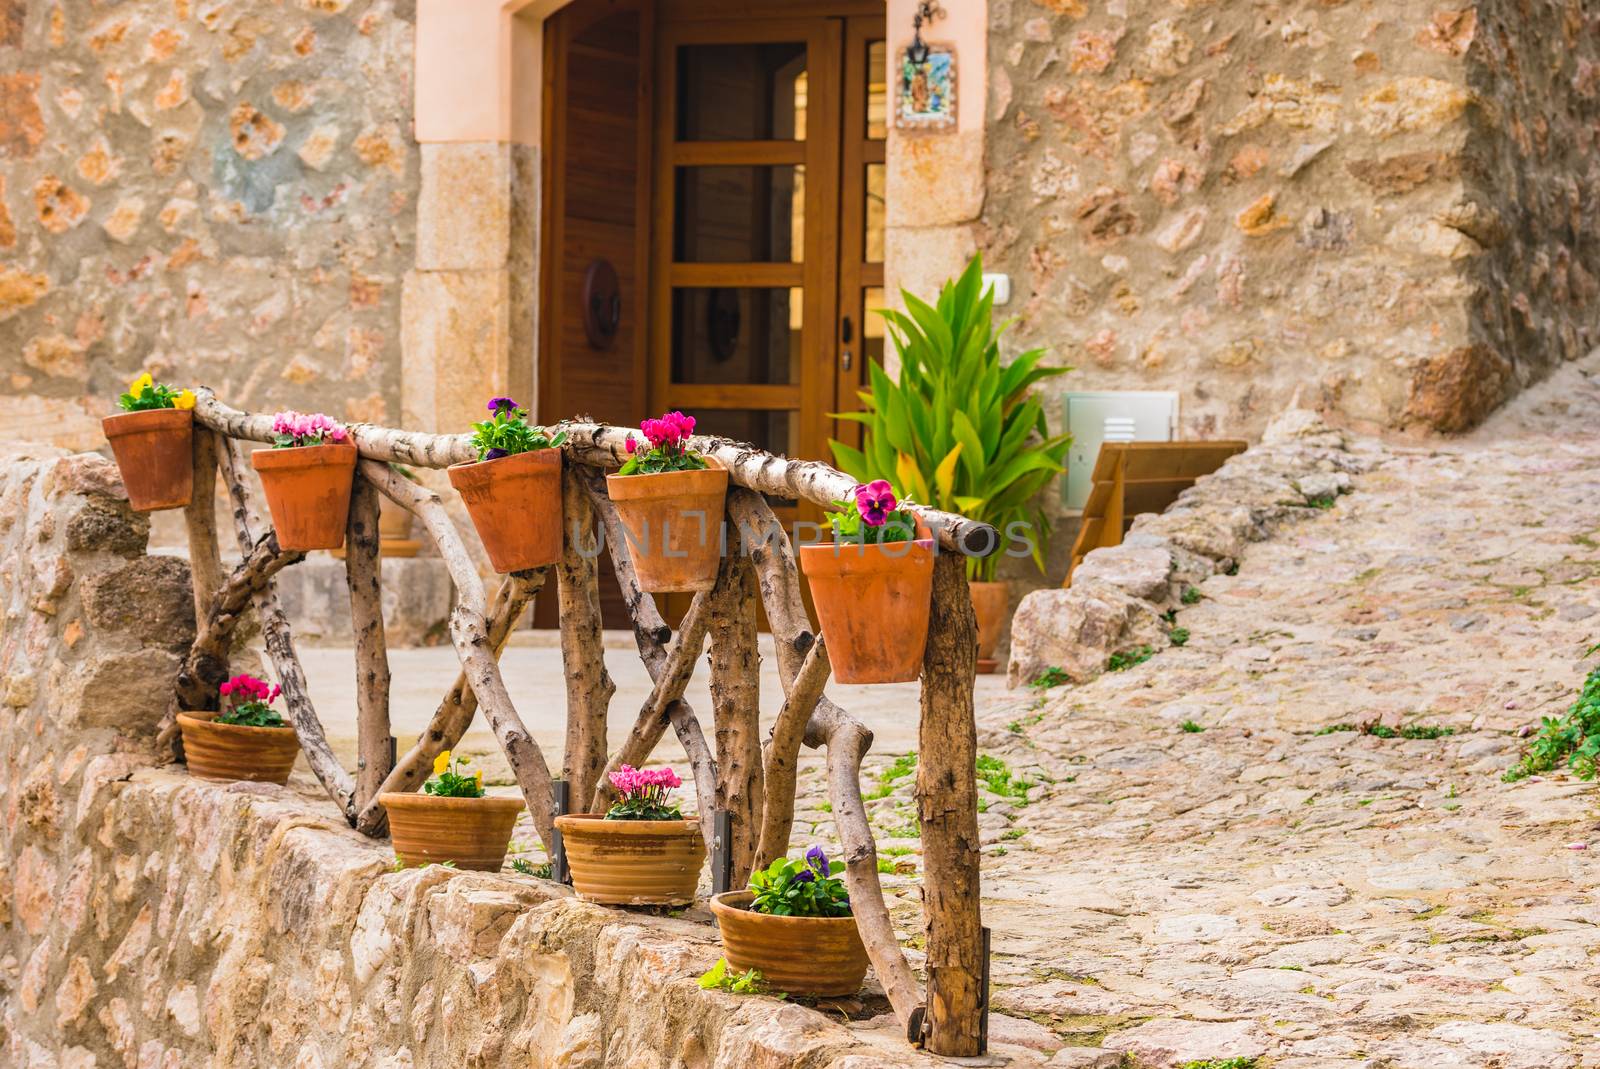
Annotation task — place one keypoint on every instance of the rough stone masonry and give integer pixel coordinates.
(1386, 206)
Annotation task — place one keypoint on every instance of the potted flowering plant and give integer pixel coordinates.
(671, 500)
(151, 441)
(642, 851)
(452, 819)
(513, 490)
(794, 925)
(245, 740)
(307, 475)
(873, 587)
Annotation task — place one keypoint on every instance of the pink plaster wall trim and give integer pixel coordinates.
(479, 69)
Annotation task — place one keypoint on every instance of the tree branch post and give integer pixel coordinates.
(364, 575)
(947, 806)
(589, 685)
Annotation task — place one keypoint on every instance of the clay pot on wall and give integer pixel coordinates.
(872, 605)
(154, 453)
(674, 522)
(515, 504)
(633, 862)
(990, 602)
(230, 752)
(472, 833)
(308, 492)
(796, 955)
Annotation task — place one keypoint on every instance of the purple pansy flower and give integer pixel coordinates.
(875, 500)
(817, 860)
(495, 454)
(804, 876)
(499, 404)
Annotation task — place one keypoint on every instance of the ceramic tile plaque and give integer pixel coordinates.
(926, 91)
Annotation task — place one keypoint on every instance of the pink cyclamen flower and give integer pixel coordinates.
(875, 501)
(631, 445)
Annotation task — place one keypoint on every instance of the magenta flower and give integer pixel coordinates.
(632, 445)
(875, 500)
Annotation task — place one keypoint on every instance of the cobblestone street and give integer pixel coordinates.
(1211, 867)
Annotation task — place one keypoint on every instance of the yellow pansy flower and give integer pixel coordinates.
(441, 763)
(139, 385)
(185, 399)
(479, 777)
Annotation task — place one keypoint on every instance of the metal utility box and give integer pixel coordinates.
(1100, 416)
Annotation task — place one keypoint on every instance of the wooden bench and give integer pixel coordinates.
(1134, 477)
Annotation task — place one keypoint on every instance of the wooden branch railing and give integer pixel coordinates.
(754, 782)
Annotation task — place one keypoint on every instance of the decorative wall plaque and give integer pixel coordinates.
(925, 92)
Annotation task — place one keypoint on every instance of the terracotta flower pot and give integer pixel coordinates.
(872, 605)
(633, 862)
(674, 522)
(990, 601)
(515, 503)
(471, 832)
(153, 453)
(796, 955)
(236, 752)
(308, 492)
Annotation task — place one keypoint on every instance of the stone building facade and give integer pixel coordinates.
(1384, 208)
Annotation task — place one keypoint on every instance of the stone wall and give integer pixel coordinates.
(221, 192)
(1377, 206)
(152, 921)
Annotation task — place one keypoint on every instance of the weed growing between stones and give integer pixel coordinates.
(521, 865)
(1050, 677)
(1178, 636)
(1221, 1063)
(720, 978)
(1122, 660)
(997, 778)
(1572, 739)
(1191, 595)
(1190, 727)
(1016, 726)
(903, 766)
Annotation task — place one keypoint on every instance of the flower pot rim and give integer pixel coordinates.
(739, 902)
(712, 464)
(133, 422)
(416, 799)
(209, 720)
(292, 454)
(637, 827)
(540, 457)
(646, 485)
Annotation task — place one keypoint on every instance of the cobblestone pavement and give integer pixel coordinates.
(1203, 870)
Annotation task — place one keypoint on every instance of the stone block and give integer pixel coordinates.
(1139, 571)
(455, 332)
(464, 206)
(1077, 630)
(151, 598)
(108, 526)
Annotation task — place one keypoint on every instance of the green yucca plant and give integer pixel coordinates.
(959, 430)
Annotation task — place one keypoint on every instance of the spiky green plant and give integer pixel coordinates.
(958, 429)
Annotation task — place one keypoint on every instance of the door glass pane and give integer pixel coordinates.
(727, 335)
(877, 91)
(775, 430)
(742, 92)
(872, 326)
(875, 194)
(739, 214)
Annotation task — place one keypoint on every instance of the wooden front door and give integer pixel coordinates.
(724, 161)
(767, 219)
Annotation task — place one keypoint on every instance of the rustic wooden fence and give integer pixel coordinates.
(751, 780)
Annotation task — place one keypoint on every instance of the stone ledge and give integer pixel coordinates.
(1119, 594)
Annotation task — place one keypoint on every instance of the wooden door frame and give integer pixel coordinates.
(560, 29)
